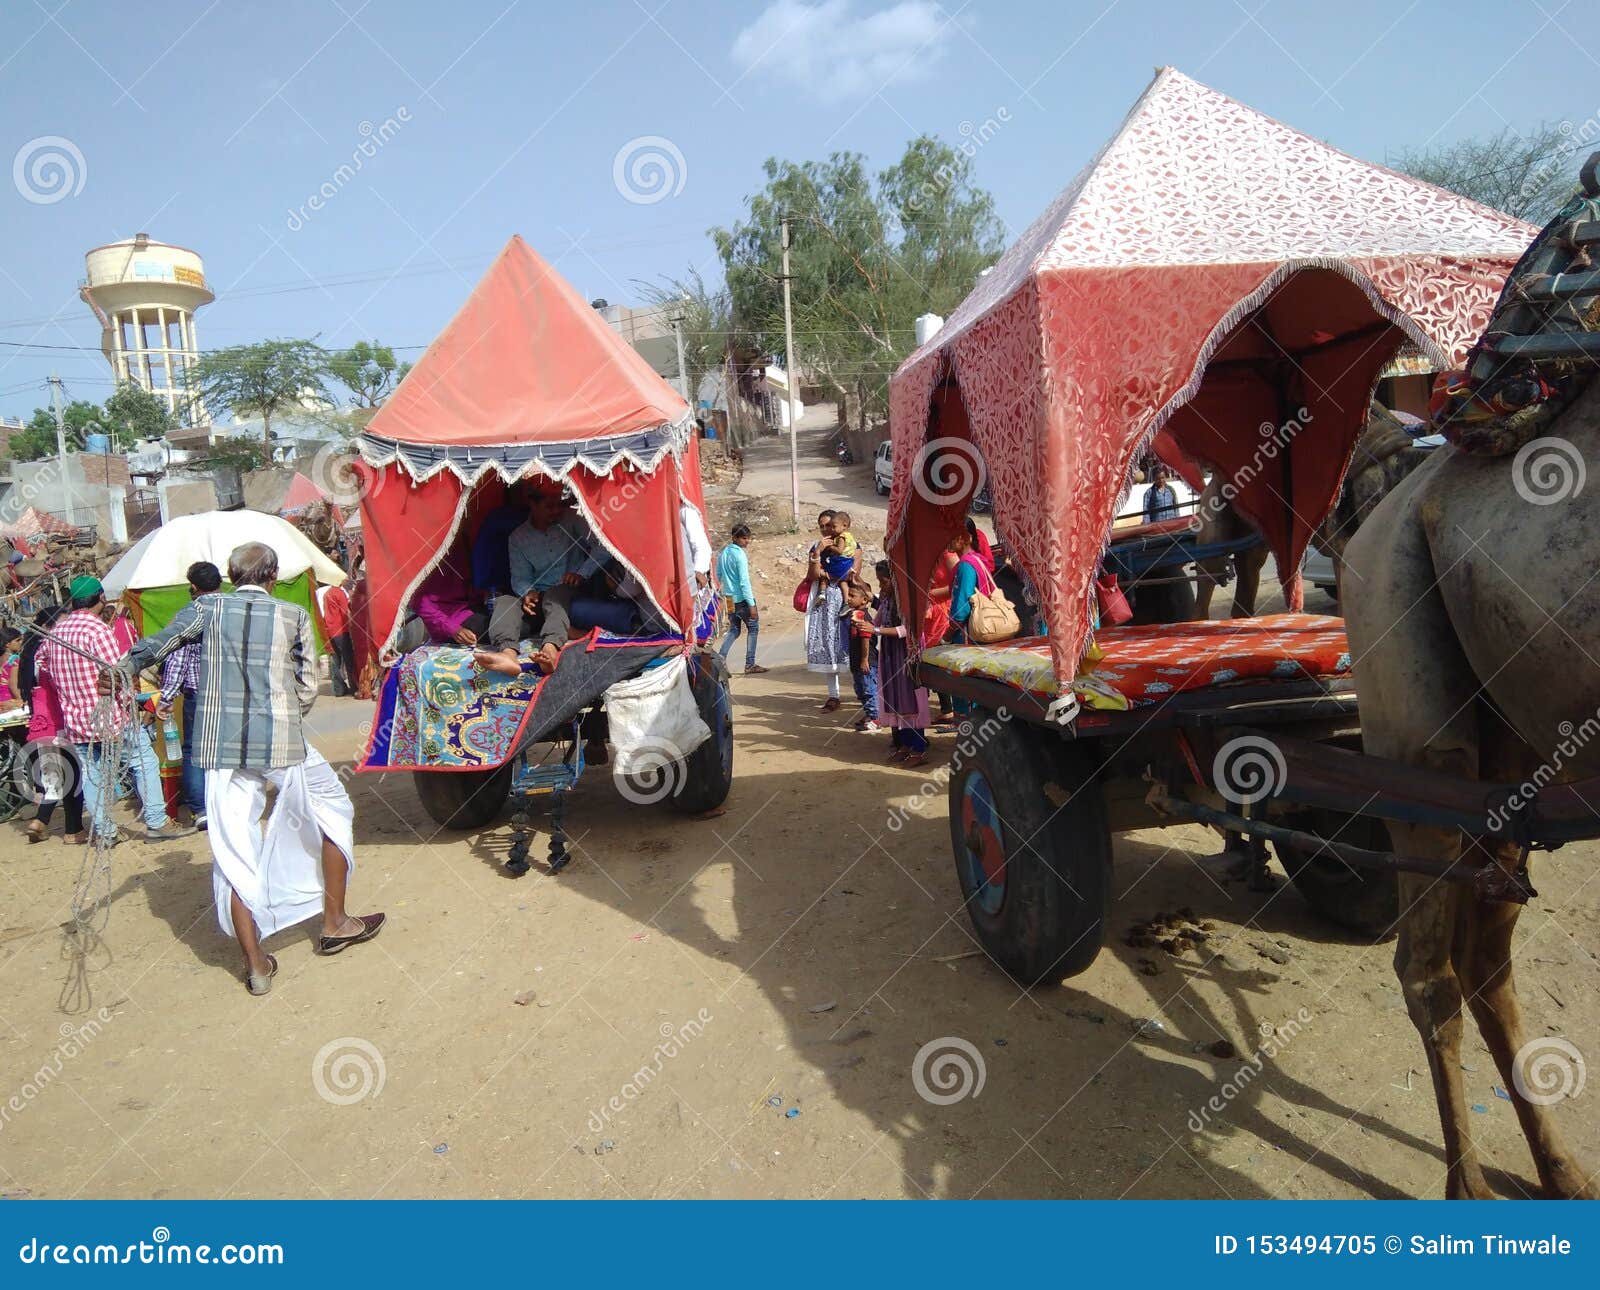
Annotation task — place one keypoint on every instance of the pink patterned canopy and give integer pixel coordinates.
(1211, 271)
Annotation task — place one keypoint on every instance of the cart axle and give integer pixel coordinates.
(1489, 880)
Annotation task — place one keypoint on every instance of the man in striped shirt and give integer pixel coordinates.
(257, 680)
(68, 658)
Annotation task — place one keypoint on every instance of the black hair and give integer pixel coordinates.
(27, 661)
(740, 531)
(827, 514)
(884, 570)
(204, 576)
(88, 602)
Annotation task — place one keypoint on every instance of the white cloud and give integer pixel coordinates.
(829, 51)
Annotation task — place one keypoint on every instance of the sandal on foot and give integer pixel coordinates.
(915, 760)
(371, 925)
(832, 705)
(755, 669)
(259, 985)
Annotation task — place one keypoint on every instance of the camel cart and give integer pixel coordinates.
(1165, 293)
(527, 382)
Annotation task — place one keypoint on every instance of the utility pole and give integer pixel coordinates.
(789, 367)
(683, 374)
(61, 445)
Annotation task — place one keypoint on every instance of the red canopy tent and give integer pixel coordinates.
(1213, 273)
(527, 379)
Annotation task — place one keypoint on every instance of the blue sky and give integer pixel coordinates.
(212, 124)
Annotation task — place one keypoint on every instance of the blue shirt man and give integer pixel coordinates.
(1160, 499)
(733, 573)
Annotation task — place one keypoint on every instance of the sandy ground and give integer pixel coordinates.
(732, 1007)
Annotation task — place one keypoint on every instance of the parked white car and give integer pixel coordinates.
(882, 468)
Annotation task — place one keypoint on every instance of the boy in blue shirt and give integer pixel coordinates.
(733, 574)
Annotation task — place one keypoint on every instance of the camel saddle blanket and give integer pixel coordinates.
(1538, 351)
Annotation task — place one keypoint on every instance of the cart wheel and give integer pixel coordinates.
(464, 799)
(1035, 875)
(707, 772)
(1363, 900)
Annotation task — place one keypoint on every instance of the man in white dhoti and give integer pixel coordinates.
(257, 681)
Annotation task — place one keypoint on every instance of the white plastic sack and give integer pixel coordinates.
(654, 722)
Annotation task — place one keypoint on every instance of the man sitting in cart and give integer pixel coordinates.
(539, 651)
(551, 555)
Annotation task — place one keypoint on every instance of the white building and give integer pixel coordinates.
(145, 294)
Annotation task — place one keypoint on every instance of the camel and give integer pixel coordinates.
(1474, 635)
(1220, 521)
(1384, 455)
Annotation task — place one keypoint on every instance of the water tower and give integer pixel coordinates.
(145, 294)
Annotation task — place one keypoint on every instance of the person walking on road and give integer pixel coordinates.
(733, 573)
(257, 682)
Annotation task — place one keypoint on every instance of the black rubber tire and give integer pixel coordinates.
(706, 775)
(1163, 602)
(1361, 900)
(464, 799)
(1051, 921)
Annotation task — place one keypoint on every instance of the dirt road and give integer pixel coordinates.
(713, 977)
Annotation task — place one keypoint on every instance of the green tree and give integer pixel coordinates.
(1528, 176)
(133, 413)
(868, 253)
(236, 452)
(704, 318)
(38, 438)
(270, 378)
(368, 370)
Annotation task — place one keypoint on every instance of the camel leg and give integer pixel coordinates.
(1208, 575)
(1247, 569)
(1483, 961)
(1422, 960)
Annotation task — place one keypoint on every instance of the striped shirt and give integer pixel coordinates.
(257, 677)
(181, 671)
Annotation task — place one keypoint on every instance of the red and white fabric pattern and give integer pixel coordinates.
(1096, 327)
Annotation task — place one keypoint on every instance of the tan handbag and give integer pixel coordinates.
(993, 618)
